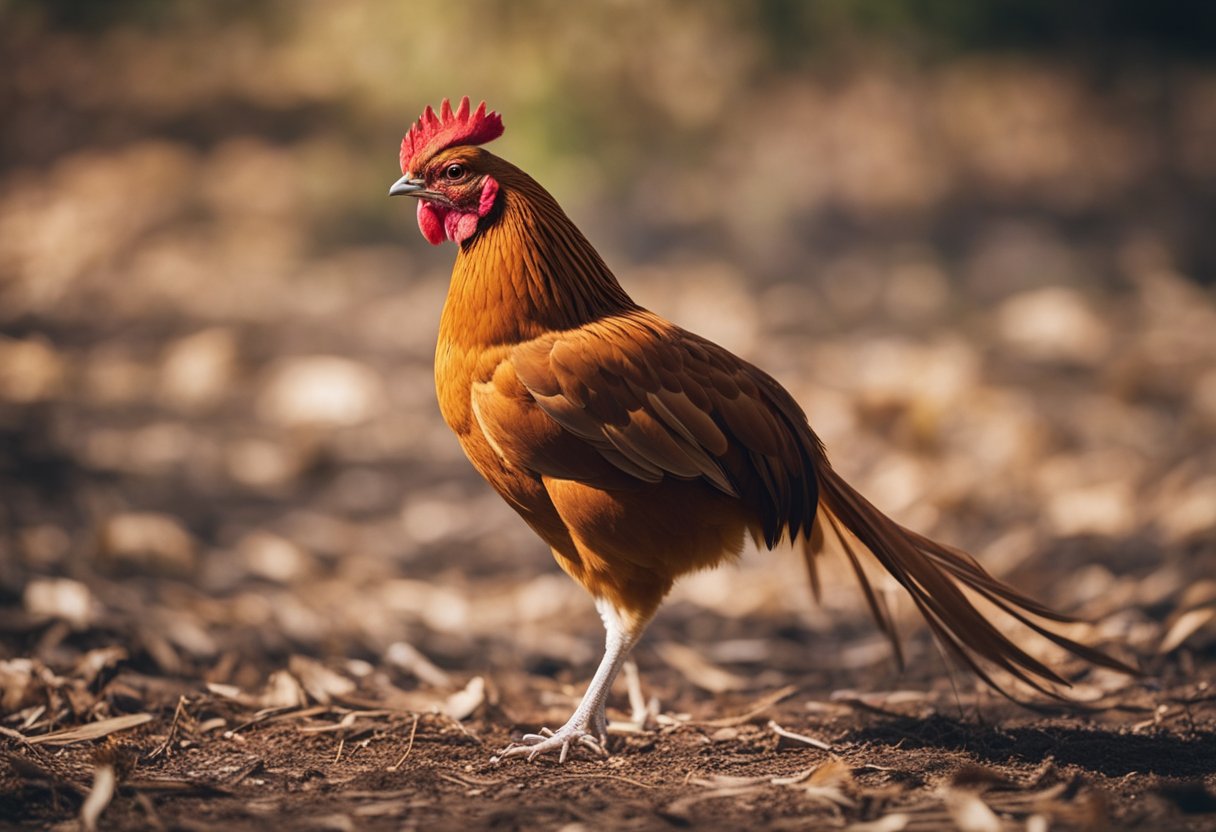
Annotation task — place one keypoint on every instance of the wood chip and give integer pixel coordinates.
(790, 735)
(283, 690)
(890, 823)
(322, 684)
(1185, 626)
(99, 797)
(970, 814)
(462, 703)
(93, 663)
(91, 731)
(700, 671)
(227, 691)
(407, 657)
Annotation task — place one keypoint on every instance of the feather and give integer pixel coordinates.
(933, 575)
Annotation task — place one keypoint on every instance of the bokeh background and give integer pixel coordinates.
(974, 239)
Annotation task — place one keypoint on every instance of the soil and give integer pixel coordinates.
(895, 762)
(247, 580)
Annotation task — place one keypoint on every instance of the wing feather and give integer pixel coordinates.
(655, 401)
(680, 412)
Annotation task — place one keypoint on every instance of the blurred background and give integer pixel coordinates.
(974, 240)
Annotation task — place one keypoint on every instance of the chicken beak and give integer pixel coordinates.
(408, 185)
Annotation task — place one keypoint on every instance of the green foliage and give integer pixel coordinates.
(791, 31)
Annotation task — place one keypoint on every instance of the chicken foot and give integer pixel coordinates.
(588, 725)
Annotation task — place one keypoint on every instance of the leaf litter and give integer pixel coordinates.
(244, 583)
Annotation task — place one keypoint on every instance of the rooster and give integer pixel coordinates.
(638, 451)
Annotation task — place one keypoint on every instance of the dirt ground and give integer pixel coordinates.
(891, 760)
(245, 659)
(247, 580)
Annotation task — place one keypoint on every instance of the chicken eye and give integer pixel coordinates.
(454, 172)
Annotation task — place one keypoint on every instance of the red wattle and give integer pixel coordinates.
(439, 223)
(431, 221)
(460, 227)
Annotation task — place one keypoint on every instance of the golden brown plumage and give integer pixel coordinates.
(638, 451)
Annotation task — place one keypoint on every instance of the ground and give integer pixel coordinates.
(248, 581)
(896, 760)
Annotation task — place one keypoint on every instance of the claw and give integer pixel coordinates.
(533, 745)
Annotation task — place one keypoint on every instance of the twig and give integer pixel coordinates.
(15, 735)
(240, 775)
(595, 776)
(163, 748)
(468, 781)
(409, 746)
(276, 714)
(460, 725)
(758, 707)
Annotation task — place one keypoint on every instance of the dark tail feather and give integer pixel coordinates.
(934, 574)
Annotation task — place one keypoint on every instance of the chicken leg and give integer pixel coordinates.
(588, 725)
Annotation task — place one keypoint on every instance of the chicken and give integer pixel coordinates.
(638, 451)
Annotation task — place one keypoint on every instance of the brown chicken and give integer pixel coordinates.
(639, 451)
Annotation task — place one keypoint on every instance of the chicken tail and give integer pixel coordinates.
(934, 576)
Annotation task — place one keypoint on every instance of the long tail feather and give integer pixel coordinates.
(935, 576)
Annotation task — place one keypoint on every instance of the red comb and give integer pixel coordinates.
(433, 133)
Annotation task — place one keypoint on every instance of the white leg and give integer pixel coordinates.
(588, 725)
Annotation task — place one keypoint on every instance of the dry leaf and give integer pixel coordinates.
(230, 692)
(790, 735)
(1185, 626)
(407, 657)
(462, 703)
(16, 679)
(60, 598)
(698, 670)
(99, 798)
(91, 731)
(826, 783)
(92, 663)
(282, 691)
(831, 773)
(147, 542)
(970, 814)
(322, 684)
